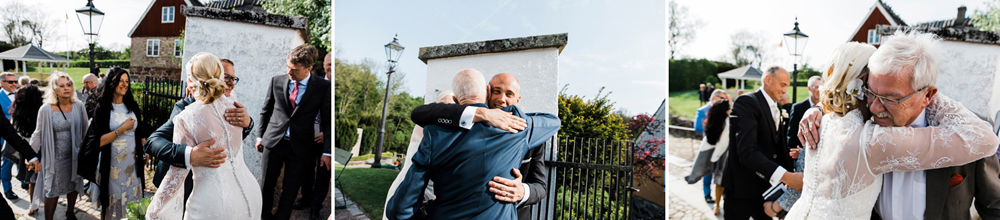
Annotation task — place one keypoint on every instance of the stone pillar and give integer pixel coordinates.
(258, 44)
(534, 60)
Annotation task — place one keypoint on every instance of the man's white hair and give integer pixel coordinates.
(815, 80)
(469, 84)
(908, 53)
(24, 80)
(90, 76)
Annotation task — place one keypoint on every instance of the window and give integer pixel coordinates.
(177, 48)
(168, 15)
(153, 48)
(873, 37)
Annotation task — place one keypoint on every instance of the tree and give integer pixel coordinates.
(316, 11)
(589, 118)
(748, 48)
(24, 24)
(989, 19)
(359, 93)
(682, 28)
(807, 71)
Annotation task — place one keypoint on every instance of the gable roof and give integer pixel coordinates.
(945, 23)
(31, 53)
(228, 4)
(151, 3)
(886, 11)
(746, 73)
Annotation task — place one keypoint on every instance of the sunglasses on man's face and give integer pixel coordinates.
(10, 81)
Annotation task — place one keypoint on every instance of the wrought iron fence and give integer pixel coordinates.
(587, 179)
(156, 97)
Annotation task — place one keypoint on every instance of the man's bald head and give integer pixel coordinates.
(505, 91)
(469, 87)
(89, 82)
(328, 65)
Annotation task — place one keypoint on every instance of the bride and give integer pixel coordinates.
(843, 176)
(227, 192)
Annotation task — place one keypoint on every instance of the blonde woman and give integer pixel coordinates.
(58, 135)
(227, 192)
(843, 176)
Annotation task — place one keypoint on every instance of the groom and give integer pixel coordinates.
(287, 129)
(903, 75)
(760, 159)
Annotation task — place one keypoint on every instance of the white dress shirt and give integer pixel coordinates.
(904, 193)
(773, 107)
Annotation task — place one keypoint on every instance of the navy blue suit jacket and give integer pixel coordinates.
(462, 162)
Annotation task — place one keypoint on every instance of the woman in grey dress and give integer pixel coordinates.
(62, 122)
(112, 146)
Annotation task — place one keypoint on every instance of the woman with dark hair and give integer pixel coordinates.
(717, 135)
(713, 145)
(58, 134)
(112, 146)
(24, 115)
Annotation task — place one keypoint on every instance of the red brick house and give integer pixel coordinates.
(156, 44)
(878, 14)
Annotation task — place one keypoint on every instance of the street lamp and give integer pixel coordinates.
(392, 52)
(91, 27)
(798, 44)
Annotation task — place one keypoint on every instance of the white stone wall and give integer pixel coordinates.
(968, 75)
(259, 52)
(536, 69)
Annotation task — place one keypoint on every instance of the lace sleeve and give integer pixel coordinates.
(168, 202)
(954, 136)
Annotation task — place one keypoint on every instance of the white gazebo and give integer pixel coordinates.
(741, 74)
(32, 53)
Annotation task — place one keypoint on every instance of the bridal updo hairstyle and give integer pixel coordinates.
(205, 75)
(848, 62)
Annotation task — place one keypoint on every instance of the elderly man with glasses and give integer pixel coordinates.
(900, 89)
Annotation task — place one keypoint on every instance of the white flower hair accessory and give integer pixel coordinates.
(855, 89)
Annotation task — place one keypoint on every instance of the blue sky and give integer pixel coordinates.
(619, 45)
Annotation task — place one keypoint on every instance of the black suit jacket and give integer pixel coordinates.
(278, 116)
(757, 149)
(161, 146)
(8, 133)
(798, 109)
(532, 167)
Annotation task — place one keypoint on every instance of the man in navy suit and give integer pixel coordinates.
(465, 161)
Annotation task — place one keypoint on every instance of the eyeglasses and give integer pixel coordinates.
(886, 101)
(232, 79)
(10, 81)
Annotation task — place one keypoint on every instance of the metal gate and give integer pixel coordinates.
(157, 99)
(587, 179)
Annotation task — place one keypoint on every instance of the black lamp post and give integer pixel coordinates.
(392, 52)
(90, 27)
(798, 44)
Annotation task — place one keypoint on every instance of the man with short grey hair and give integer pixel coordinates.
(9, 85)
(89, 83)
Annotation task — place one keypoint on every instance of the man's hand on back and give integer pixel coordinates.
(500, 119)
(202, 156)
(237, 116)
(809, 128)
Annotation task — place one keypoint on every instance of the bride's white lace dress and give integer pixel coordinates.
(843, 177)
(227, 192)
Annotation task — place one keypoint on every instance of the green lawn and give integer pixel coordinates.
(76, 73)
(686, 103)
(367, 187)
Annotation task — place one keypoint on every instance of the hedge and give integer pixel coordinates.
(102, 63)
(686, 74)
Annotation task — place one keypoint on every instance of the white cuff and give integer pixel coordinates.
(527, 193)
(467, 116)
(187, 157)
(776, 176)
(33, 160)
(327, 154)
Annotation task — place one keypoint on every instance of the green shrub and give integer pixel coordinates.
(102, 63)
(686, 74)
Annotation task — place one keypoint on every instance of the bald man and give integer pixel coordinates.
(459, 159)
(529, 185)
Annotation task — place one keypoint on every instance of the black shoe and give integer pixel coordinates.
(24, 186)
(10, 195)
(70, 215)
(314, 216)
(709, 199)
(300, 205)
